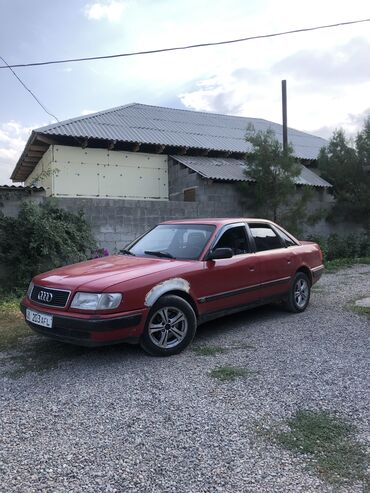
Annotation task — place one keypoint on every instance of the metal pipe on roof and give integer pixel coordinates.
(285, 117)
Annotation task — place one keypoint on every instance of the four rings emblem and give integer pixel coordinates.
(45, 296)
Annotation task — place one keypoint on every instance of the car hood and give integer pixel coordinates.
(104, 272)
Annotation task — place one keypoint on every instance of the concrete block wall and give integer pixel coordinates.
(116, 222)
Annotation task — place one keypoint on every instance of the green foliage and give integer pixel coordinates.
(352, 246)
(274, 194)
(273, 171)
(40, 238)
(227, 373)
(330, 442)
(346, 168)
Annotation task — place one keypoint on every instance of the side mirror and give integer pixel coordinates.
(220, 253)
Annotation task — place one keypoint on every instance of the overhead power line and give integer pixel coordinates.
(29, 90)
(188, 47)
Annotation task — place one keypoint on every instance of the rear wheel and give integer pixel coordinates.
(170, 327)
(299, 295)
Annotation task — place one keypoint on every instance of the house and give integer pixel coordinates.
(149, 163)
(130, 152)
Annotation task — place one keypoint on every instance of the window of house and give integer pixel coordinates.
(265, 237)
(234, 238)
(190, 194)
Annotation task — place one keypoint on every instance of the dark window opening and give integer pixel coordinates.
(236, 239)
(264, 237)
(190, 194)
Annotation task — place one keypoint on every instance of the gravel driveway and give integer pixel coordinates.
(116, 420)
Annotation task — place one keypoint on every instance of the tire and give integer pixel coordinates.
(170, 327)
(299, 295)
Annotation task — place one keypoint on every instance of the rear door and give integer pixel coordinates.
(276, 258)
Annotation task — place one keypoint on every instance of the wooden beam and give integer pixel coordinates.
(47, 140)
(34, 147)
(35, 153)
(136, 147)
(182, 151)
(111, 145)
(84, 143)
(204, 152)
(159, 149)
(30, 160)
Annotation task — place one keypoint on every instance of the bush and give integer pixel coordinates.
(349, 247)
(41, 238)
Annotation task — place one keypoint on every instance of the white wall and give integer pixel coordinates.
(41, 176)
(76, 172)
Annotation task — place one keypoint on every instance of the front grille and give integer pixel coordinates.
(49, 296)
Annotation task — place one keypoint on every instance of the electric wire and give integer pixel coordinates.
(29, 90)
(187, 47)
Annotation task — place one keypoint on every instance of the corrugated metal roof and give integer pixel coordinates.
(146, 124)
(21, 188)
(228, 169)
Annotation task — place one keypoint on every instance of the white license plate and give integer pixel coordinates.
(39, 318)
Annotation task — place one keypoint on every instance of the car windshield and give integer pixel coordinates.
(181, 241)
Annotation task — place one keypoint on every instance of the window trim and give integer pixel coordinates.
(268, 225)
(223, 230)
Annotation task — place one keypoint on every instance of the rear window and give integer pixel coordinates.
(265, 237)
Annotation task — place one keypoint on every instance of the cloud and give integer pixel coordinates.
(346, 64)
(13, 137)
(110, 10)
(87, 112)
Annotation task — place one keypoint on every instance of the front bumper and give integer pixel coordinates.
(98, 331)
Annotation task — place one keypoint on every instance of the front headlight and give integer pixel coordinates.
(30, 289)
(96, 301)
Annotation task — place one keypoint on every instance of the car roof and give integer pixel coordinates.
(216, 221)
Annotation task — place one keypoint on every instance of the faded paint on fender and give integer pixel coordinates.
(177, 283)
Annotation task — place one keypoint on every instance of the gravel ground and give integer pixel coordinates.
(116, 420)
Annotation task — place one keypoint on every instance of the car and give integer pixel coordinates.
(170, 280)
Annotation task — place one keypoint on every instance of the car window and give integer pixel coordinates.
(182, 241)
(265, 237)
(287, 239)
(234, 238)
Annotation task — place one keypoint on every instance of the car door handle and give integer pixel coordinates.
(289, 260)
(251, 268)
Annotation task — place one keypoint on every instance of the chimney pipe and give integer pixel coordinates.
(285, 118)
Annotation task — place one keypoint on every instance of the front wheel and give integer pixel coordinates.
(299, 295)
(170, 327)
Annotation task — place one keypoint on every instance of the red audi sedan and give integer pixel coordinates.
(170, 280)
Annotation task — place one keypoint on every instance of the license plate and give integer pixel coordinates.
(39, 318)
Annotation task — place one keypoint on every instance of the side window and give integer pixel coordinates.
(234, 238)
(287, 239)
(264, 237)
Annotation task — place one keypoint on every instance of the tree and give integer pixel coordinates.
(346, 167)
(40, 238)
(274, 171)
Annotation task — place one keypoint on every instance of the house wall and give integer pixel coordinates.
(74, 172)
(41, 176)
(221, 197)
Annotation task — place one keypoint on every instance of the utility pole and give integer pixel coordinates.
(285, 118)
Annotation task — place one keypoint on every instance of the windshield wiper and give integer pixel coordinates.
(159, 254)
(126, 252)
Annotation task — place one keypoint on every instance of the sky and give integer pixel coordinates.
(327, 71)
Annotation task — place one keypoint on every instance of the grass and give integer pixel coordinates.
(341, 263)
(12, 326)
(362, 310)
(21, 350)
(208, 350)
(330, 443)
(229, 373)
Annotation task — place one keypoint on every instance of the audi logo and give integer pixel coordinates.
(45, 296)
